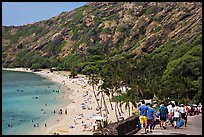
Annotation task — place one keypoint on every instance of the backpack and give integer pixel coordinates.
(163, 111)
(180, 123)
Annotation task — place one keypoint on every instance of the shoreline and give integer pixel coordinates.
(73, 109)
(80, 93)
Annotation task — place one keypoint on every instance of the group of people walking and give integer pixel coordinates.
(169, 114)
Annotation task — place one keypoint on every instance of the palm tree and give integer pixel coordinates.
(93, 81)
(116, 99)
(108, 93)
(118, 92)
(102, 89)
(127, 98)
(126, 101)
(120, 105)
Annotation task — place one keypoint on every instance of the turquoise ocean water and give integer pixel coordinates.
(28, 99)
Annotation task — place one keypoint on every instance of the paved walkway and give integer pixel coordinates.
(194, 127)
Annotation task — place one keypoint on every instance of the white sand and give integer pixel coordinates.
(74, 109)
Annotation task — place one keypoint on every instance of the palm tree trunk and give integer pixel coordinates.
(101, 102)
(116, 111)
(104, 102)
(132, 106)
(111, 95)
(128, 108)
(96, 100)
(118, 107)
(110, 102)
(121, 108)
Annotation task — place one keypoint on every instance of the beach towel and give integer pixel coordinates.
(180, 123)
(60, 130)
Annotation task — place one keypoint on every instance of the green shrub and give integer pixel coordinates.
(106, 31)
(159, 18)
(111, 17)
(20, 46)
(130, 12)
(11, 65)
(135, 113)
(36, 66)
(119, 29)
(157, 29)
(151, 10)
(21, 53)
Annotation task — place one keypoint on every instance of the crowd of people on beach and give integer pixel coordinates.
(173, 114)
(86, 103)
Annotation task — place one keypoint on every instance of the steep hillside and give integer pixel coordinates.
(154, 48)
(98, 29)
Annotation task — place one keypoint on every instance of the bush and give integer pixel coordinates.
(159, 18)
(157, 29)
(11, 65)
(73, 74)
(36, 66)
(106, 31)
(135, 113)
(20, 46)
(151, 10)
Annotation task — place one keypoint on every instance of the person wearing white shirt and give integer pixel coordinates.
(176, 115)
(170, 112)
(183, 112)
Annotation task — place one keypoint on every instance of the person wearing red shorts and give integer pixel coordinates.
(150, 117)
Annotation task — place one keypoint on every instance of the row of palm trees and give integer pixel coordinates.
(115, 82)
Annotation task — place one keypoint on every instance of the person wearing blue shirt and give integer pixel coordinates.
(143, 111)
(163, 115)
(150, 117)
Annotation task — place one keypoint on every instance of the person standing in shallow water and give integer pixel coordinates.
(143, 110)
(163, 115)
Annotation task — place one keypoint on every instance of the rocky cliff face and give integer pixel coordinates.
(134, 27)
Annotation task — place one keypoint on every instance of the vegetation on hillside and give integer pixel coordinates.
(139, 50)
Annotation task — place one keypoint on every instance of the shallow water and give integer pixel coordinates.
(25, 98)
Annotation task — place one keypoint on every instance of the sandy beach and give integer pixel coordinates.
(73, 122)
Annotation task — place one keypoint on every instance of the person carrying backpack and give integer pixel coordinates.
(163, 115)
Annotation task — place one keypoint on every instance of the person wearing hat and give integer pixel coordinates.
(183, 112)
